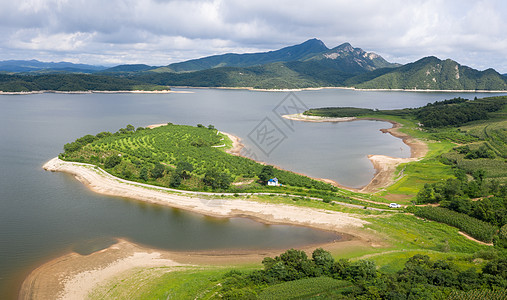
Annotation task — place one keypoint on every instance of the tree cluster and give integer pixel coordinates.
(421, 278)
(455, 112)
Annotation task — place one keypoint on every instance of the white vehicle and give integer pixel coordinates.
(394, 205)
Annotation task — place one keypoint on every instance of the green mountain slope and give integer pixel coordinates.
(71, 82)
(431, 73)
(291, 53)
(35, 66)
(351, 60)
(331, 67)
(128, 69)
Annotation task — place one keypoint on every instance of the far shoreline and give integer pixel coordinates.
(338, 88)
(95, 92)
(249, 89)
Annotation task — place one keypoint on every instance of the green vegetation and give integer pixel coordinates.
(453, 112)
(475, 228)
(338, 112)
(350, 68)
(435, 74)
(294, 275)
(72, 83)
(485, 139)
(183, 157)
(304, 288)
(468, 180)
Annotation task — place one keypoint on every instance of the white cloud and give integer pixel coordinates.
(159, 32)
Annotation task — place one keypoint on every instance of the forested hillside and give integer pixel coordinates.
(72, 82)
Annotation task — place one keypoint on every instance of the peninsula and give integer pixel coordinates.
(119, 164)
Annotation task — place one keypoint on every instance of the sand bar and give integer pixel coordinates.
(104, 183)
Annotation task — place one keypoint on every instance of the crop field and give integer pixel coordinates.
(303, 288)
(476, 228)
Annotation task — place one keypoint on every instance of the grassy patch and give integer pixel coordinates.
(407, 232)
(165, 283)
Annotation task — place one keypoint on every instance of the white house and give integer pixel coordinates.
(273, 182)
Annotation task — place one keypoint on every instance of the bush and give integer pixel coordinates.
(112, 161)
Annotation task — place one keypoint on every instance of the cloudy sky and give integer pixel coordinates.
(159, 32)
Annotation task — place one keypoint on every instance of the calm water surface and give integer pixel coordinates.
(43, 215)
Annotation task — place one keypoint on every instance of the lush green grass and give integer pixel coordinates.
(493, 134)
(166, 283)
(394, 261)
(407, 232)
(412, 176)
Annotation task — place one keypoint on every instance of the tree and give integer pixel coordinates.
(323, 260)
(175, 180)
(71, 147)
(217, 180)
(112, 161)
(183, 169)
(266, 173)
(143, 174)
(158, 171)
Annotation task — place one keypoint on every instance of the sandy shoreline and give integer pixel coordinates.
(74, 276)
(339, 88)
(96, 92)
(103, 183)
(251, 89)
(385, 166)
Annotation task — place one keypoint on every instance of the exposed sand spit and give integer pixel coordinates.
(104, 183)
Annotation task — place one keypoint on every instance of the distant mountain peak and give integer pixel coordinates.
(345, 47)
(432, 73)
(315, 41)
(291, 53)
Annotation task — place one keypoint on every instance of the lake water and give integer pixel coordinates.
(43, 214)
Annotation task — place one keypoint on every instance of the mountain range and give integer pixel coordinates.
(306, 65)
(35, 66)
